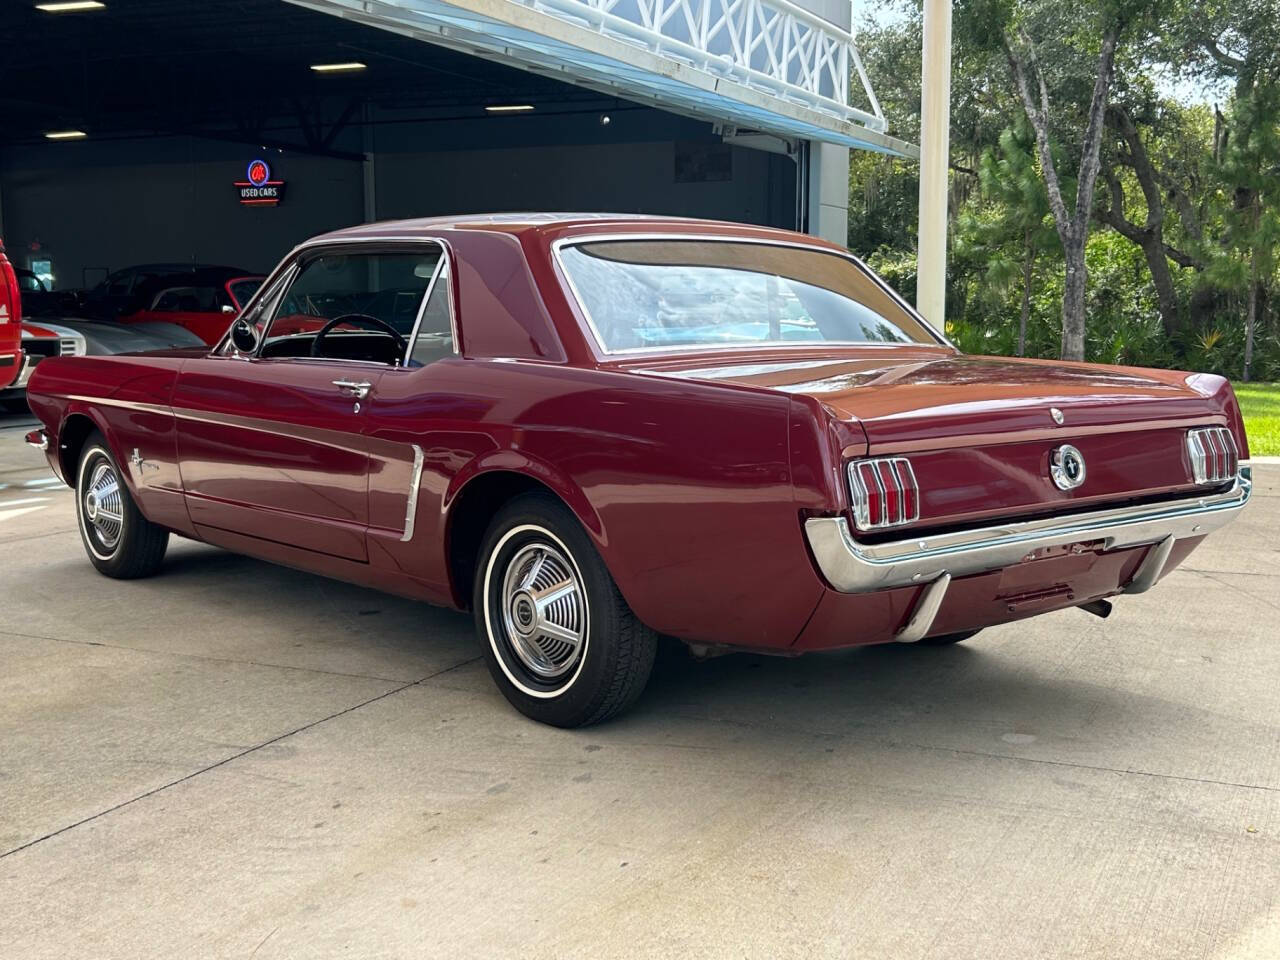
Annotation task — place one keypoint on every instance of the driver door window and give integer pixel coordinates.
(352, 306)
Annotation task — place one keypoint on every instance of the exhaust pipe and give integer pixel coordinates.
(1099, 608)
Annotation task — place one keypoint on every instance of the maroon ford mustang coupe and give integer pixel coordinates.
(591, 430)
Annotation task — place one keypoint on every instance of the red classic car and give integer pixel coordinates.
(592, 430)
(10, 322)
(203, 301)
(40, 339)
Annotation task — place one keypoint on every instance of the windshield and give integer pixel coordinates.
(242, 290)
(655, 294)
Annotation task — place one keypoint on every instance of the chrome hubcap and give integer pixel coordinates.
(102, 505)
(544, 610)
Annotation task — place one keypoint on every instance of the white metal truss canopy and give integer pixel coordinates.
(765, 65)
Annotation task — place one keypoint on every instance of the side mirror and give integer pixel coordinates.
(244, 336)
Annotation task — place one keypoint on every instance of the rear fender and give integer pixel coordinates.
(464, 528)
(559, 482)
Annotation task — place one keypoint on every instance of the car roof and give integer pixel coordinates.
(176, 267)
(555, 225)
(203, 277)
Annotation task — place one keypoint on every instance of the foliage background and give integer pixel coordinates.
(1190, 199)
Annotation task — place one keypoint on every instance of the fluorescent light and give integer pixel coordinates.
(65, 135)
(71, 6)
(337, 67)
(510, 108)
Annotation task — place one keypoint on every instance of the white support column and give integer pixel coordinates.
(935, 137)
(829, 192)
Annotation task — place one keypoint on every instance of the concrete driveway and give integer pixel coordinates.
(234, 760)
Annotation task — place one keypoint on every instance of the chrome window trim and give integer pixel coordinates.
(576, 241)
(288, 269)
(282, 275)
(443, 265)
(289, 264)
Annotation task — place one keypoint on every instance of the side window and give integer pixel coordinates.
(185, 300)
(435, 332)
(351, 306)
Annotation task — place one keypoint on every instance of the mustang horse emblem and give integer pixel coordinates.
(1066, 467)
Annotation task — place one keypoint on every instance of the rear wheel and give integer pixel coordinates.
(120, 541)
(946, 639)
(560, 641)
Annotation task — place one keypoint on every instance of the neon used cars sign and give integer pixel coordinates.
(259, 189)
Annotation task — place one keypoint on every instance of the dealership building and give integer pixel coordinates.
(159, 130)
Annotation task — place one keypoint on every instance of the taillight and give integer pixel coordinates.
(1214, 458)
(884, 493)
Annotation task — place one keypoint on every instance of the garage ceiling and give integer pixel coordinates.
(235, 70)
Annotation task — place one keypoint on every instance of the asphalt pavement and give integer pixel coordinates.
(234, 759)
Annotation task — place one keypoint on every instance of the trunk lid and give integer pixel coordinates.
(914, 399)
(979, 431)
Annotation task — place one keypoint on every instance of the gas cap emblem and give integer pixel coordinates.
(1066, 467)
(1057, 415)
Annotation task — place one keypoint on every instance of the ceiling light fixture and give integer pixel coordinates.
(337, 67)
(71, 6)
(510, 108)
(65, 135)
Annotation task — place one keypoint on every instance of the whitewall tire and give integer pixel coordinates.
(559, 639)
(119, 540)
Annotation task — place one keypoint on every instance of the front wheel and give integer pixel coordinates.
(560, 641)
(120, 541)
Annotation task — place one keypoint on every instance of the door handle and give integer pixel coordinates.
(355, 388)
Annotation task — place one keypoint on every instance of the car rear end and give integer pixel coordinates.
(935, 493)
(1038, 486)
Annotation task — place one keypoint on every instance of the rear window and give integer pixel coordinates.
(659, 294)
(191, 300)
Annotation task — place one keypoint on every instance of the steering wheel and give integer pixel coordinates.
(402, 345)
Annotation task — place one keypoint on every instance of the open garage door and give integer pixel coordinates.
(130, 133)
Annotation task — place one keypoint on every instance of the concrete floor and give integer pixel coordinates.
(235, 760)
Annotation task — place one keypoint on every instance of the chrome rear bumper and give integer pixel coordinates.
(853, 567)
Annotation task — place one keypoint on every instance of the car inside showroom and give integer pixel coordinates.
(471, 486)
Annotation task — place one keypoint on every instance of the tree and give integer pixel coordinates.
(1182, 266)
(1251, 166)
(1072, 225)
(1131, 154)
(1015, 228)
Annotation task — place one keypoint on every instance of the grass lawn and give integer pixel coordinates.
(1260, 404)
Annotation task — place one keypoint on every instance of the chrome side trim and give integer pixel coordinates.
(853, 567)
(922, 617)
(411, 508)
